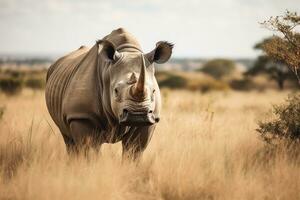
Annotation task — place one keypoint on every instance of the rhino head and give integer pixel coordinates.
(134, 95)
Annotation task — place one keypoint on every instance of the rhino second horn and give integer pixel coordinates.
(132, 79)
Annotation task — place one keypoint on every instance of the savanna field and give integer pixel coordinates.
(229, 79)
(205, 147)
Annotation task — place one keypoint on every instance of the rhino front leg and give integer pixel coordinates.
(136, 141)
(70, 145)
(84, 134)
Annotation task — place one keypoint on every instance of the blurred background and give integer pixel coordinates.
(217, 43)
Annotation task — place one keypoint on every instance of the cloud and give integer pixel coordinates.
(198, 28)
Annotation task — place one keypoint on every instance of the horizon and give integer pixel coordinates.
(24, 56)
(199, 29)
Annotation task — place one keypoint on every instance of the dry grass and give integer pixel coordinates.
(205, 147)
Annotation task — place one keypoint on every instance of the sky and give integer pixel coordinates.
(198, 28)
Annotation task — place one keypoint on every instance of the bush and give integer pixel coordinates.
(286, 125)
(218, 68)
(190, 81)
(212, 85)
(35, 83)
(242, 84)
(173, 81)
(11, 86)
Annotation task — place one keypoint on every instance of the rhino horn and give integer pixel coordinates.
(139, 87)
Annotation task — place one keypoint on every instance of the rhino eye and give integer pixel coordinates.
(116, 91)
(153, 91)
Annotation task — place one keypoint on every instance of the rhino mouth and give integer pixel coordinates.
(135, 118)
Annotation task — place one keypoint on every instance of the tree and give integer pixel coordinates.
(264, 64)
(218, 68)
(286, 46)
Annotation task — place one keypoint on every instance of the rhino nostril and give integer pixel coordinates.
(150, 111)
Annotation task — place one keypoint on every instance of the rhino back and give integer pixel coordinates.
(58, 77)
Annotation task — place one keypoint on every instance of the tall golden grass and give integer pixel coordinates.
(205, 147)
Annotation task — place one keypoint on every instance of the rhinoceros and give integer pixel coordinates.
(107, 93)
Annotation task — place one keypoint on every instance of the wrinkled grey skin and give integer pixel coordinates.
(88, 90)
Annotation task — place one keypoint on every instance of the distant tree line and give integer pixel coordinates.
(25, 61)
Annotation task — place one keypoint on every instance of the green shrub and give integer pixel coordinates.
(286, 125)
(206, 84)
(213, 86)
(218, 68)
(242, 84)
(35, 83)
(11, 86)
(173, 81)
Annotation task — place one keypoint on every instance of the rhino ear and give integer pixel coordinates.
(161, 53)
(108, 50)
